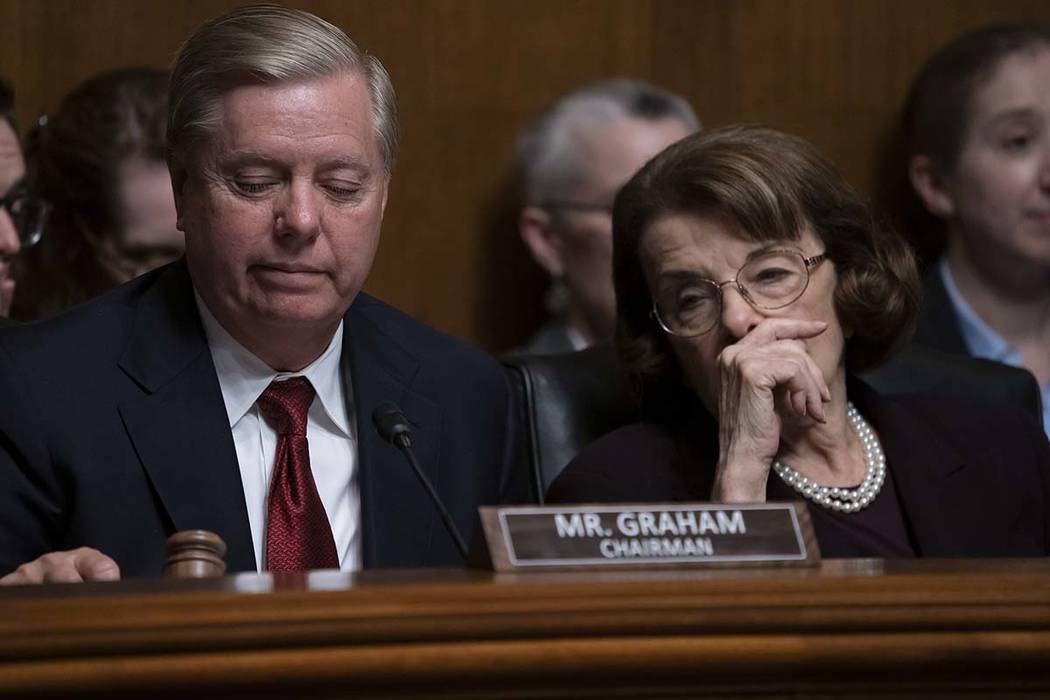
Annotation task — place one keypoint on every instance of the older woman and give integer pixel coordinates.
(751, 284)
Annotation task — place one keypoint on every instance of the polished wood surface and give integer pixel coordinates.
(859, 628)
(470, 74)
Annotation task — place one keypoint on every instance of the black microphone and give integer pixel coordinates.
(392, 426)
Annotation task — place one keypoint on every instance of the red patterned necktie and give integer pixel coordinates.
(298, 536)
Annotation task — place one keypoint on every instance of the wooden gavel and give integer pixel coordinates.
(195, 554)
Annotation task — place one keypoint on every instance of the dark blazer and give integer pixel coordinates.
(937, 325)
(973, 477)
(114, 434)
(552, 338)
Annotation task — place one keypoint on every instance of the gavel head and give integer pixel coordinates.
(195, 554)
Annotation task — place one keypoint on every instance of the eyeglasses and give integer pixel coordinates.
(573, 205)
(688, 305)
(29, 214)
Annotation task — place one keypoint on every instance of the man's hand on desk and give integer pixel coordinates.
(74, 566)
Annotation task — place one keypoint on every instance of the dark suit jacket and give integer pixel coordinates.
(114, 434)
(937, 325)
(552, 338)
(973, 477)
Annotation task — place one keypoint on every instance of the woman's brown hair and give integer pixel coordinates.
(74, 159)
(935, 120)
(768, 186)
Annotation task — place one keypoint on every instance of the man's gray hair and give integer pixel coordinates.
(546, 150)
(267, 44)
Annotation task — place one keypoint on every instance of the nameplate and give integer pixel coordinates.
(626, 535)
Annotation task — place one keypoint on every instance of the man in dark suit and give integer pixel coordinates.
(233, 391)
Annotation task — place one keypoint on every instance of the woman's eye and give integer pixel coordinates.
(692, 300)
(1017, 142)
(771, 274)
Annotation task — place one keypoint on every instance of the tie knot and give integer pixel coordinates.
(285, 404)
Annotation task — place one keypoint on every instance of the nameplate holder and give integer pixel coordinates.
(636, 535)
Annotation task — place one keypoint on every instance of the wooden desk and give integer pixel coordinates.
(860, 628)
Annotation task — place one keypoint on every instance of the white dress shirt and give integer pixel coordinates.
(330, 430)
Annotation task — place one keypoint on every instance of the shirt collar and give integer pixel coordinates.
(243, 376)
(980, 338)
(576, 339)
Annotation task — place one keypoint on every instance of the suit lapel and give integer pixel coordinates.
(397, 518)
(938, 486)
(938, 324)
(179, 425)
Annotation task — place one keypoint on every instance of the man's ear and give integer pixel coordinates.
(931, 187)
(542, 238)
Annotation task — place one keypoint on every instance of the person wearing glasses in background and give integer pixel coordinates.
(99, 161)
(574, 158)
(22, 216)
(752, 285)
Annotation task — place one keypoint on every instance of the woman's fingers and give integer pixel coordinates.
(774, 336)
(780, 364)
(773, 329)
(817, 393)
(797, 375)
(766, 377)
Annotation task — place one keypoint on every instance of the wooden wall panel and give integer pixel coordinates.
(471, 73)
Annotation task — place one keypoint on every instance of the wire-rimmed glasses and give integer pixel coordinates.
(28, 212)
(688, 305)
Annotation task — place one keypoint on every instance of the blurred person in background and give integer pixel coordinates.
(99, 160)
(21, 214)
(978, 123)
(574, 158)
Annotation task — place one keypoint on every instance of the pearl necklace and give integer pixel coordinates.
(845, 500)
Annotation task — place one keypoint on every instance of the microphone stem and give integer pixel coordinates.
(403, 443)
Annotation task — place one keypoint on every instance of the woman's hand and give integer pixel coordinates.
(764, 378)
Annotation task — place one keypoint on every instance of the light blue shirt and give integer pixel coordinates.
(984, 342)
